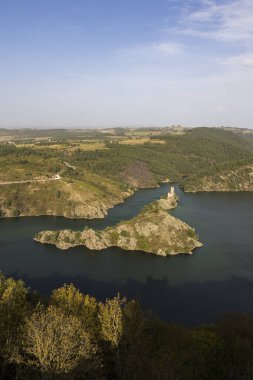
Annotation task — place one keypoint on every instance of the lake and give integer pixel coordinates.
(187, 289)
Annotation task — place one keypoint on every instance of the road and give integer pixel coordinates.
(56, 177)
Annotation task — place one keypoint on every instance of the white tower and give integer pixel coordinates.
(171, 193)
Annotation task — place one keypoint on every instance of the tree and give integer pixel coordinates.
(236, 333)
(13, 311)
(135, 335)
(111, 319)
(73, 302)
(56, 344)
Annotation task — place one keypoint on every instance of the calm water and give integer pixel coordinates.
(217, 278)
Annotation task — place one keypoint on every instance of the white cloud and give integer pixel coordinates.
(167, 48)
(245, 60)
(168, 80)
(156, 49)
(225, 21)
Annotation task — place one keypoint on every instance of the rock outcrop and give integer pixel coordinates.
(240, 179)
(154, 230)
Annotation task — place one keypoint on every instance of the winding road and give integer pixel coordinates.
(56, 177)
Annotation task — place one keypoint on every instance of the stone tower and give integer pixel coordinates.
(171, 193)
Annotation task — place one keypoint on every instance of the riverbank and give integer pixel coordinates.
(70, 199)
(187, 289)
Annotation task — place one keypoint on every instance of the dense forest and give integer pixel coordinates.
(183, 158)
(73, 336)
(196, 153)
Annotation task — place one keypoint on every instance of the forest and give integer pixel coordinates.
(104, 168)
(184, 158)
(70, 335)
(188, 157)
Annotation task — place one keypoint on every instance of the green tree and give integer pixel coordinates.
(111, 319)
(73, 302)
(135, 332)
(13, 310)
(57, 345)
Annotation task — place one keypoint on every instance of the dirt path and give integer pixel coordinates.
(69, 166)
(56, 177)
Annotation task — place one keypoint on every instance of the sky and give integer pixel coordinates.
(102, 63)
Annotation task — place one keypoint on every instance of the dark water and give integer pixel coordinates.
(216, 279)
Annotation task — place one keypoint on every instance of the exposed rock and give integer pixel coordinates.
(138, 175)
(169, 203)
(71, 200)
(154, 230)
(240, 179)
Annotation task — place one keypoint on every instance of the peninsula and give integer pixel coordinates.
(154, 230)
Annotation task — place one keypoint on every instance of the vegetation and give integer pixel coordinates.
(73, 336)
(197, 153)
(62, 172)
(154, 230)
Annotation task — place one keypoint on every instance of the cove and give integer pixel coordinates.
(216, 279)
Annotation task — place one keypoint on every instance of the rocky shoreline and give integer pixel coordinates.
(154, 230)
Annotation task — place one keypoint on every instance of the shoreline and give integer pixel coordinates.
(154, 230)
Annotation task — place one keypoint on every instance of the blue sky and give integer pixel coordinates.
(99, 63)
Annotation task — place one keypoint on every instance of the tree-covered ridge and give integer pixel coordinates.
(197, 152)
(101, 172)
(70, 335)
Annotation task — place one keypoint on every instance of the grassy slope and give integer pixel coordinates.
(199, 159)
(77, 194)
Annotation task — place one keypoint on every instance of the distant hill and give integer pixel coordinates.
(109, 166)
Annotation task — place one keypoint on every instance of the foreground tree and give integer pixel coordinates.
(73, 302)
(13, 310)
(135, 336)
(57, 345)
(236, 333)
(111, 319)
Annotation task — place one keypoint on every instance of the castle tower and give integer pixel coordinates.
(171, 193)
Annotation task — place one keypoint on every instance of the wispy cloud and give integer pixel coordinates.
(220, 20)
(156, 49)
(166, 48)
(245, 60)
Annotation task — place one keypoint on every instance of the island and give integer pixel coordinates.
(154, 230)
